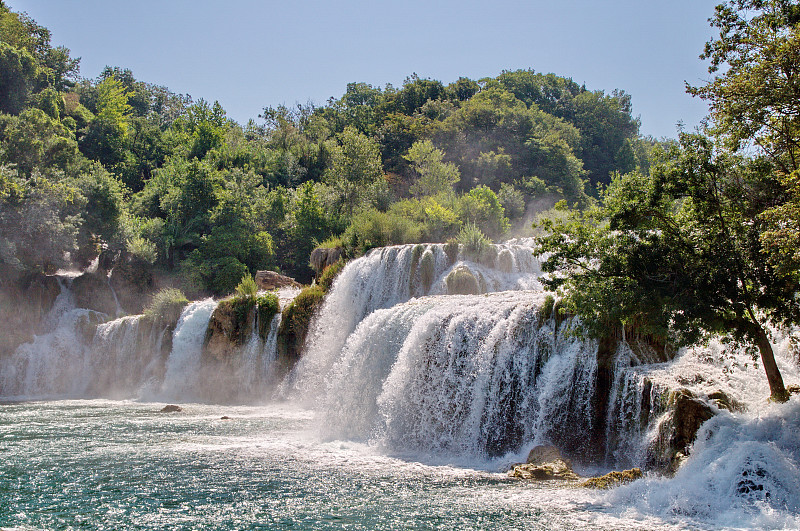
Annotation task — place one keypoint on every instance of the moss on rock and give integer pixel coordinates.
(461, 281)
(295, 320)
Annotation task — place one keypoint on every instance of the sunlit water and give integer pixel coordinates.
(124, 465)
(111, 465)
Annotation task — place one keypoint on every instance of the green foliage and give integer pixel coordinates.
(461, 281)
(247, 288)
(126, 165)
(35, 141)
(330, 273)
(435, 176)
(679, 254)
(354, 171)
(38, 223)
(166, 305)
(474, 243)
(268, 307)
(372, 228)
(481, 208)
(512, 201)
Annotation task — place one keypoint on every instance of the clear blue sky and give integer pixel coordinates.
(249, 54)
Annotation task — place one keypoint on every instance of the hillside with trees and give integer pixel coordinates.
(116, 165)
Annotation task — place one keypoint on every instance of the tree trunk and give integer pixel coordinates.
(777, 390)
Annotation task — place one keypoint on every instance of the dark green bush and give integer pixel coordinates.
(295, 319)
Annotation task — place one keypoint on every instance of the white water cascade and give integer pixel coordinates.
(80, 354)
(55, 362)
(461, 375)
(392, 275)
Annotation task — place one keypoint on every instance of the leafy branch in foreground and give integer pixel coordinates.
(678, 253)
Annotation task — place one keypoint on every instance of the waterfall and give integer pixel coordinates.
(80, 354)
(392, 275)
(181, 380)
(54, 363)
(462, 375)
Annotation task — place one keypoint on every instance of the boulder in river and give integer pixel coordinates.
(612, 479)
(544, 462)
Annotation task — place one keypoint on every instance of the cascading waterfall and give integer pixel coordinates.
(54, 363)
(81, 355)
(462, 375)
(182, 377)
(392, 275)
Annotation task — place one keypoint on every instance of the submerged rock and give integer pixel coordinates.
(171, 408)
(612, 479)
(544, 462)
(723, 401)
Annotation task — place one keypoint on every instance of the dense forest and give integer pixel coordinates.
(673, 239)
(118, 165)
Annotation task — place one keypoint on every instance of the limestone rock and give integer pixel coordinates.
(677, 433)
(544, 462)
(171, 408)
(225, 331)
(24, 301)
(612, 479)
(689, 414)
(269, 280)
(322, 257)
(723, 401)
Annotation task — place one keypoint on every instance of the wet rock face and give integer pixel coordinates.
(23, 304)
(676, 435)
(226, 331)
(93, 292)
(689, 414)
(269, 280)
(132, 280)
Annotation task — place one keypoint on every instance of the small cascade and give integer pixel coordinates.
(743, 472)
(54, 363)
(127, 355)
(183, 367)
(392, 275)
(81, 354)
(462, 375)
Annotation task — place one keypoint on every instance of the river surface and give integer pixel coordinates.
(98, 464)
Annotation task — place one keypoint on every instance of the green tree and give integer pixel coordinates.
(435, 176)
(755, 99)
(33, 140)
(355, 170)
(680, 254)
